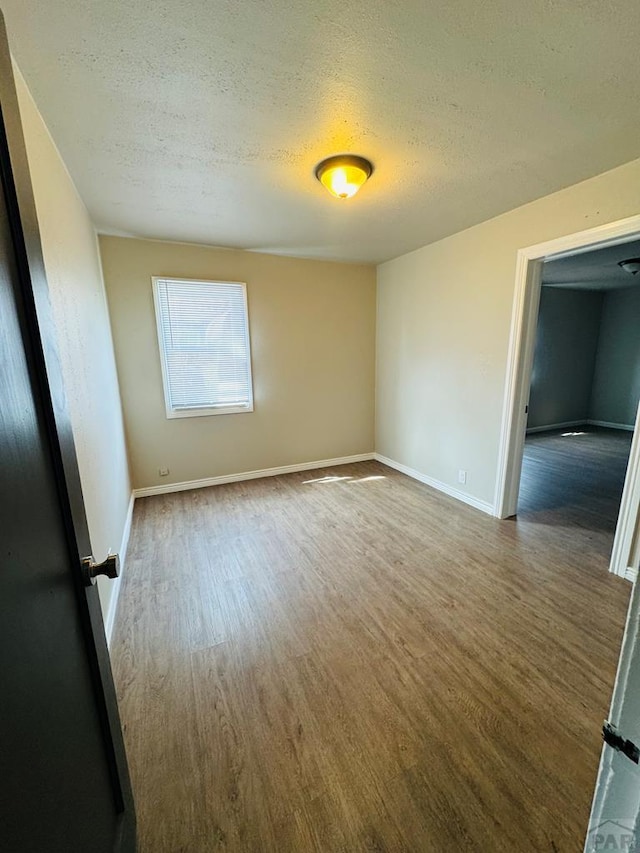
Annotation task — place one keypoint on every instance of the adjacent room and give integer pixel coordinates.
(585, 387)
(282, 244)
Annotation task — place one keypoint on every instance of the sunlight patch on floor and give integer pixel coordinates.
(330, 479)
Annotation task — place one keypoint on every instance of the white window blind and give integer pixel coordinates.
(203, 332)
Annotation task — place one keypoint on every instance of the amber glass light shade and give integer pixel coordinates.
(343, 175)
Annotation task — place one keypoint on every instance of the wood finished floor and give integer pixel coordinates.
(575, 477)
(346, 660)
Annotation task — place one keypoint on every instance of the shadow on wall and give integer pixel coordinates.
(587, 358)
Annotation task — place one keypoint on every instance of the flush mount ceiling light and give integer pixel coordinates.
(343, 175)
(632, 265)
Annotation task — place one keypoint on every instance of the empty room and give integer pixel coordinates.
(321, 488)
(585, 387)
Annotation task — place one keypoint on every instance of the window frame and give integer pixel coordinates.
(199, 411)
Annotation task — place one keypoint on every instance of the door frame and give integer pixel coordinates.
(524, 320)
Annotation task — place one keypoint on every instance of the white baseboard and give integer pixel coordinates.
(115, 585)
(631, 574)
(609, 425)
(583, 422)
(148, 491)
(484, 506)
(563, 425)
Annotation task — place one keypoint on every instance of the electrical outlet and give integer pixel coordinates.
(163, 472)
(462, 476)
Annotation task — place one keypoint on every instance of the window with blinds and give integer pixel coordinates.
(203, 333)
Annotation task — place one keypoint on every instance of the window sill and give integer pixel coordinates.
(204, 413)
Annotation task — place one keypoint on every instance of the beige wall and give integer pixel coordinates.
(312, 328)
(444, 315)
(77, 295)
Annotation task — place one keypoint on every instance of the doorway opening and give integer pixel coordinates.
(572, 389)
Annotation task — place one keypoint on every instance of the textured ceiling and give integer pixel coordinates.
(596, 270)
(202, 120)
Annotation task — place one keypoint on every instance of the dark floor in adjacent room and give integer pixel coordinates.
(574, 477)
(347, 660)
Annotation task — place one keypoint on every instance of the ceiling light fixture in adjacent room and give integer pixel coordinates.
(344, 174)
(632, 265)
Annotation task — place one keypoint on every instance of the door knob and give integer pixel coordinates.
(109, 567)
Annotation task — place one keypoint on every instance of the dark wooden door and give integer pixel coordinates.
(64, 784)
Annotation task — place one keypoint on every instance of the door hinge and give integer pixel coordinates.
(615, 740)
